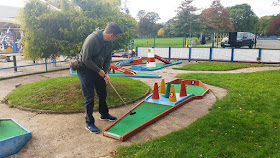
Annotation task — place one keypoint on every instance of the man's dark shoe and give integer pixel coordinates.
(93, 129)
(108, 117)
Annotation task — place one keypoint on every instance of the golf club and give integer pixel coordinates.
(130, 112)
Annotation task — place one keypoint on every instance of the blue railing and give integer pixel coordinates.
(216, 54)
(35, 64)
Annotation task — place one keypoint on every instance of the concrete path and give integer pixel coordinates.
(64, 135)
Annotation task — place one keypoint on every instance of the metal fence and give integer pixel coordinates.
(216, 54)
(16, 60)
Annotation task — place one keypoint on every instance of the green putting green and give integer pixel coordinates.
(144, 112)
(9, 129)
(196, 90)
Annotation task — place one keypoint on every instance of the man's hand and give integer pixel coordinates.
(107, 79)
(101, 73)
(105, 76)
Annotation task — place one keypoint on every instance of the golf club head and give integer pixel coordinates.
(132, 113)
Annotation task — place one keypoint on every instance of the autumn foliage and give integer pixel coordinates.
(274, 28)
(161, 32)
(216, 18)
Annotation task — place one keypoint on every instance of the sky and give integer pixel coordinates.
(167, 8)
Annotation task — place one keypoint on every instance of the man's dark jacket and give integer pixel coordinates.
(97, 53)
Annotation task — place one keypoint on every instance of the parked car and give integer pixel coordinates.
(238, 39)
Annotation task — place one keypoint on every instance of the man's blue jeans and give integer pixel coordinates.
(91, 81)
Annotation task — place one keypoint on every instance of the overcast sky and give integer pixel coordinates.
(167, 8)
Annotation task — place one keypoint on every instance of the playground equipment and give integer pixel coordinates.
(8, 46)
(13, 136)
(155, 106)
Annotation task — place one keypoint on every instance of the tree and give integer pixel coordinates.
(60, 4)
(152, 17)
(184, 20)
(216, 18)
(169, 27)
(243, 18)
(147, 23)
(160, 32)
(274, 28)
(264, 23)
(34, 47)
(51, 32)
(141, 14)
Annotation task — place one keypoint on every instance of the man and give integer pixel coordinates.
(96, 57)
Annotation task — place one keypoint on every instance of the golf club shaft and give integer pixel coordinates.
(117, 93)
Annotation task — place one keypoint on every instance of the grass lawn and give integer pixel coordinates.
(217, 66)
(166, 42)
(64, 93)
(245, 123)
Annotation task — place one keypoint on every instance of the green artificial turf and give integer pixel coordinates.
(245, 123)
(9, 129)
(196, 90)
(144, 112)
